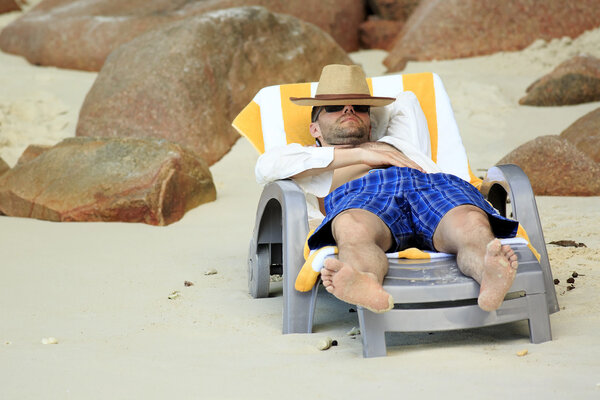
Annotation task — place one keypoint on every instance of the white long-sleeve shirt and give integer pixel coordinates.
(401, 124)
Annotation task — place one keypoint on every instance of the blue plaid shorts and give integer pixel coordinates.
(410, 203)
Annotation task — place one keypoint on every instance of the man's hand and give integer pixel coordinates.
(379, 154)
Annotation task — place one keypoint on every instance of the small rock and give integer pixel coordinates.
(574, 274)
(522, 353)
(325, 344)
(211, 271)
(334, 342)
(567, 243)
(556, 281)
(571, 280)
(571, 287)
(49, 340)
(188, 283)
(353, 332)
(174, 295)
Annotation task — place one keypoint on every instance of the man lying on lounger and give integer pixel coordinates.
(382, 200)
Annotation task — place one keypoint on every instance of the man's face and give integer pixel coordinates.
(346, 126)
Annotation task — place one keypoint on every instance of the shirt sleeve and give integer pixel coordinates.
(286, 161)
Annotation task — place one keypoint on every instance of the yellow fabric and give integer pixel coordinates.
(414, 254)
(297, 118)
(307, 277)
(248, 124)
(370, 84)
(422, 86)
(475, 181)
(306, 248)
(522, 234)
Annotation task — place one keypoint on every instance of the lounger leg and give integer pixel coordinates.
(539, 321)
(372, 330)
(297, 311)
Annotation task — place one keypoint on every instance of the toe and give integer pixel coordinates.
(494, 246)
(332, 264)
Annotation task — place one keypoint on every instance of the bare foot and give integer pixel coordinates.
(355, 287)
(499, 271)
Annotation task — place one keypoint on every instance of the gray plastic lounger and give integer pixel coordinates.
(429, 295)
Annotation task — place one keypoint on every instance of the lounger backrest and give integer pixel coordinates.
(272, 120)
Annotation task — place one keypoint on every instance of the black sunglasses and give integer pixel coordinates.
(357, 108)
(331, 109)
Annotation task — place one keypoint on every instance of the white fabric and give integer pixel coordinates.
(272, 127)
(451, 153)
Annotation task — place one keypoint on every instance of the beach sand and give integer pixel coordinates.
(102, 289)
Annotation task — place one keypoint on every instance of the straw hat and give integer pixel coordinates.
(341, 85)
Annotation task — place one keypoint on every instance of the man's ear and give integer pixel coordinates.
(315, 130)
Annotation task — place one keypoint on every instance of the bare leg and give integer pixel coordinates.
(357, 276)
(465, 231)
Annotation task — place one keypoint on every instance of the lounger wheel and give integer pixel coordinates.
(259, 272)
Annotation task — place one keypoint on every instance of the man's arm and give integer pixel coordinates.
(403, 125)
(370, 155)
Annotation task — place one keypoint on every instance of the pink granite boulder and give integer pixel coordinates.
(448, 29)
(585, 134)
(80, 34)
(31, 152)
(379, 33)
(397, 10)
(4, 167)
(574, 81)
(188, 80)
(9, 6)
(556, 167)
(124, 179)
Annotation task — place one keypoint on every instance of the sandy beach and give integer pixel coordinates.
(102, 289)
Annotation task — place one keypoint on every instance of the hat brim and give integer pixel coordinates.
(360, 101)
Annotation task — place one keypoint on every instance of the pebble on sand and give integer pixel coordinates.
(211, 271)
(50, 340)
(522, 353)
(353, 332)
(325, 343)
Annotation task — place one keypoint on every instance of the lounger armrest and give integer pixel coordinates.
(281, 215)
(510, 180)
(282, 219)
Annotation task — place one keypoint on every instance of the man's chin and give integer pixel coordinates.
(348, 141)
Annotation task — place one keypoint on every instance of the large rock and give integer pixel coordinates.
(397, 10)
(447, 29)
(4, 167)
(89, 179)
(556, 167)
(188, 80)
(31, 152)
(8, 6)
(574, 81)
(585, 134)
(80, 34)
(379, 33)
